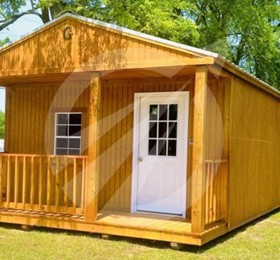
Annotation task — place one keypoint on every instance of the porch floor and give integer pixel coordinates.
(136, 225)
(141, 221)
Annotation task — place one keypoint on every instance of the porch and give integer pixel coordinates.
(50, 191)
(144, 226)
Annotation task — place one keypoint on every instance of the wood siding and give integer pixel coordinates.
(30, 115)
(91, 48)
(254, 179)
(116, 136)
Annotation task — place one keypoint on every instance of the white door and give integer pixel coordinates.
(160, 162)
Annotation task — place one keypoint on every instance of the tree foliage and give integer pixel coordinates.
(246, 32)
(2, 124)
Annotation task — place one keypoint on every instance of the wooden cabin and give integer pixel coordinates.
(116, 132)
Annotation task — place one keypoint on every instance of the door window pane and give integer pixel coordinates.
(162, 112)
(163, 125)
(173, 112)
(152, 147)
(172, 130)
(162, 147)
(172, 147)
(153, 112)
(153, 130)
(162, 129)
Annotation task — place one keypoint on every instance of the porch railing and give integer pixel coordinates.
(43, 182)
(215, 190)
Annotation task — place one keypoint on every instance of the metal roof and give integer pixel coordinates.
(154, 39)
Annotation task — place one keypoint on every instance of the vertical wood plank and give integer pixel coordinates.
(93, 149)
(198, 172)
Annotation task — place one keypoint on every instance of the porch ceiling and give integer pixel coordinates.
(45, 78)
(157, 72)
(167, 72)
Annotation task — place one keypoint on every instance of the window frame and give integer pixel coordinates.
(67, 137)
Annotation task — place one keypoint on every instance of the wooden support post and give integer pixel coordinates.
(91, 184)
(198, 178)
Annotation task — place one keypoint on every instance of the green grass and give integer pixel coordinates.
(258, 240)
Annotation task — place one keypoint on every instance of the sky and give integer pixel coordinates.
(24, 25)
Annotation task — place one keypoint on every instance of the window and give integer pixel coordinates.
(68, 128)
(163, 129)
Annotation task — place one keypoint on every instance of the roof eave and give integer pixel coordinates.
(234, 69)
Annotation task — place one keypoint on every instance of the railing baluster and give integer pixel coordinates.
(211, 191)
(40, 182)
(32, 180)
(9, 181)
(214, 193)
(65, 181)
(207, 192)
(49, 184)
(16, 182)
(75, 183)
(83, 185)
(57, 183)
(24, 182)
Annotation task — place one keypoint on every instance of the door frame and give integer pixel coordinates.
(136, 134)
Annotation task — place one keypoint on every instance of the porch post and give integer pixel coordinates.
(198, 180)
(91, 184)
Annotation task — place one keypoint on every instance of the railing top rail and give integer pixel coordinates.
(44, 156)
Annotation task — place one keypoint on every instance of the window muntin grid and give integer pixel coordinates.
(163, 124)
(68, 133)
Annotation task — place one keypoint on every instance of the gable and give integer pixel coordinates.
(74, 45)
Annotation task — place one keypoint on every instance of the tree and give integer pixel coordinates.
(2, 124)
(246, 32)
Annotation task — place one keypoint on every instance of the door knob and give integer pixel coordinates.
(140, 159)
